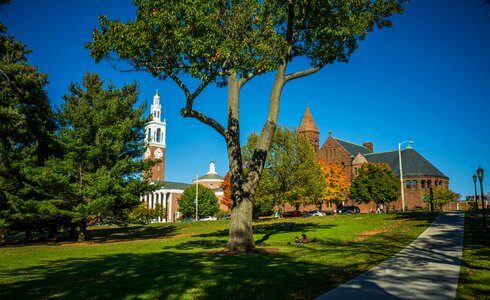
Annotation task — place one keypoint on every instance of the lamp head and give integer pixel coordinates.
(480, 173)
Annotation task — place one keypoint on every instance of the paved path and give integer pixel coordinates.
(427, 269)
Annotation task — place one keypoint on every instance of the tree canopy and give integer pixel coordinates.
(102, 138)
(26, 135)
(375, 182)
(207, 202)
(292, 173)
(336, 183)
(197, 42)
(441, 196)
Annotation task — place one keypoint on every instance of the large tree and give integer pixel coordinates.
(375, 182)
(228, 43)
(26, 136)
(336, 183)
(292, 174)
(102, 138)
(207, 202)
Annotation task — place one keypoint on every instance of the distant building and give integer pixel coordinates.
(418, 173)
(169, 194)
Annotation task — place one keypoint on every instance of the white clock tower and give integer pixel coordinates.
(155, 139)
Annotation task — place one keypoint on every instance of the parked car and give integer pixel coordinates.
(348, 210)
(292, 214)
(225, 217)
(208, 218)
(315, 213)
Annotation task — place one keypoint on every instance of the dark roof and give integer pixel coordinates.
(170, 185)
(210, 177)
(353, 149)
(414, 164)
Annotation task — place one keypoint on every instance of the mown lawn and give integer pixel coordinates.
(474, 276)
(179, 260)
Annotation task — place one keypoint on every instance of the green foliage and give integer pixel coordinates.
(207, 202)
(26, 136)
(102, 139)
(375, 182)
(292, 173)
(205, 39)
(142, 214)
(441, 196)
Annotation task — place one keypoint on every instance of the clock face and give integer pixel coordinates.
(147, 153)
(158, 153)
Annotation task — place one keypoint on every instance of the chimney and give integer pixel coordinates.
(369, 146)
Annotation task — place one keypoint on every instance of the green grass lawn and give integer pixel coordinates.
(179, 260)
(474, 276)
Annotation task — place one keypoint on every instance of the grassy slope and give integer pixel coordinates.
(175, 261)
(474, 276)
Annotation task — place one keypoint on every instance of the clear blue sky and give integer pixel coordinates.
(427, 79)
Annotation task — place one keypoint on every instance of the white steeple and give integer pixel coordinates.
(156, 108)
(212, 167)
(156, 129)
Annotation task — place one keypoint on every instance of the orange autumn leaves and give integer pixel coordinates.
(337, 184)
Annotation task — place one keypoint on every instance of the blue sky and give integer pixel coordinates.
(427, 79)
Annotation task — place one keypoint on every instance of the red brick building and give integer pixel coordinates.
(418, 173)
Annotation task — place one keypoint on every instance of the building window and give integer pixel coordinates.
(149, 134)
(422, 184)
(408, 184)
(414, 184)
(159, 135)
(429, 183)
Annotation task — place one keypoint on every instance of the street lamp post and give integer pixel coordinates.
(480, 173)
(476, 198)
(401, 172)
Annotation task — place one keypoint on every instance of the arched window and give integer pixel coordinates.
(159, 135)
(149, 134)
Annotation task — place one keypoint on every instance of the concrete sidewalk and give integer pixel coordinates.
(427, 269)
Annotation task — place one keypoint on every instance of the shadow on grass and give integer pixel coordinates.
(268, 230)
(303, 273)
(176, 275)
(114, 234)
(474, 278)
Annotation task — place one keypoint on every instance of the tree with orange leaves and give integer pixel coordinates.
(226, 186)
(337, 184)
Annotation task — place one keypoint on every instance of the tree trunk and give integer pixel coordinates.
(244, 189)
(83, 229)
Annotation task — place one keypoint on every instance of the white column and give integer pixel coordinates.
(165, 205)
(170, 212)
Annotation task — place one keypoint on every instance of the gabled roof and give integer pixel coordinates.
(308, 123)
(353, 149)
(414, 164)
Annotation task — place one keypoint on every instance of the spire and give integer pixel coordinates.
(212, 167)
(156, 108)
(308, 123)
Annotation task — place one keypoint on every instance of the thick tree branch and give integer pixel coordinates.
(205, 119)
(304, 73)
(182, 86)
